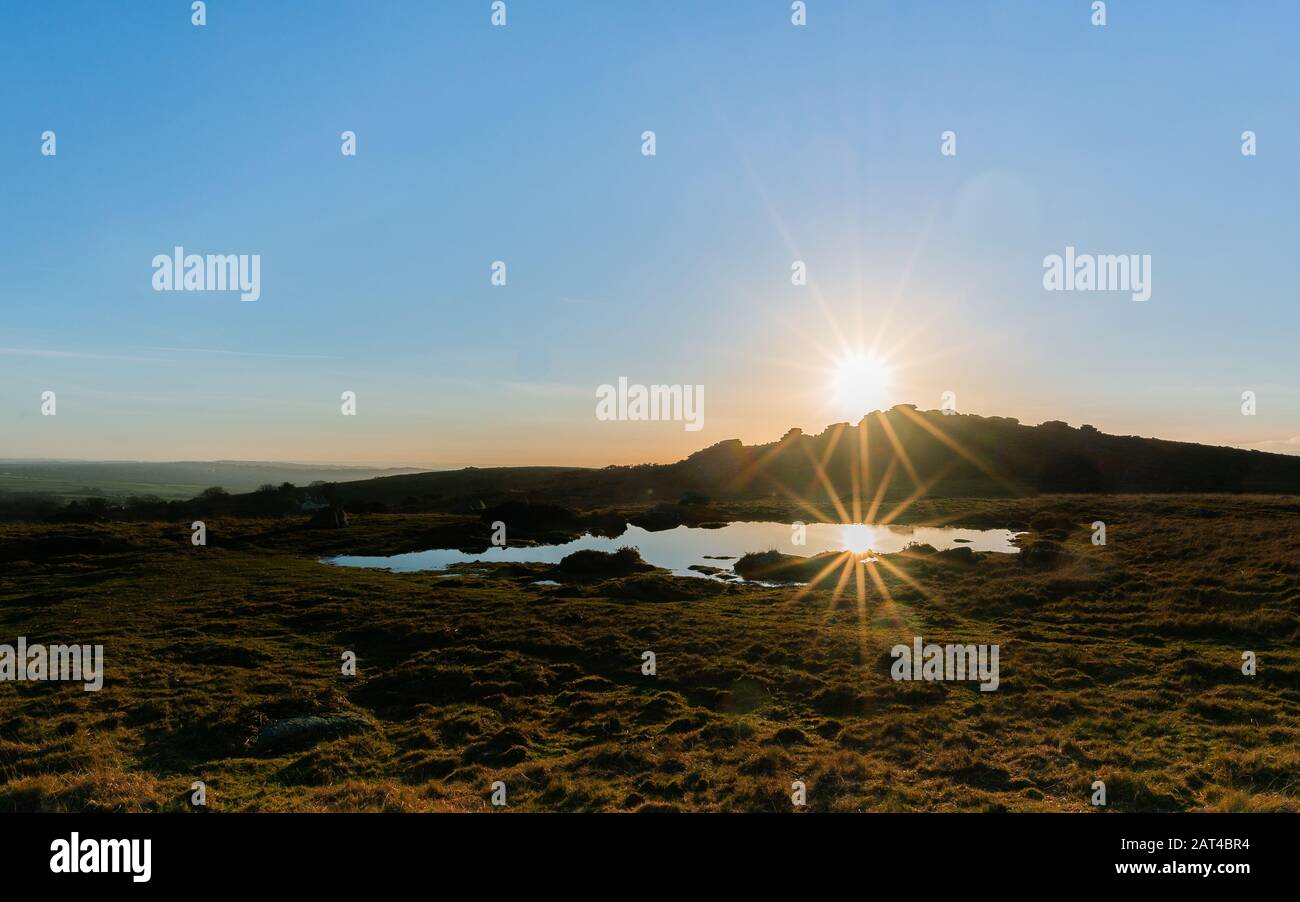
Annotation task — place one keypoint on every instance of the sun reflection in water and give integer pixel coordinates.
(857, 537)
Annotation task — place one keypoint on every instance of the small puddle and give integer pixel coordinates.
(681, 548)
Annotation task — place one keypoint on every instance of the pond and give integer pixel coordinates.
(686, 546)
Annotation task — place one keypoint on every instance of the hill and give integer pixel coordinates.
(169, 481)
(897, 453)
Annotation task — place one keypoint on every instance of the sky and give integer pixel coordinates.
(774, 143)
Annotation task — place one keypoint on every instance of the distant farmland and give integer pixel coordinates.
(168, 481)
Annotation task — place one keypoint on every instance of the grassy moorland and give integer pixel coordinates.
(1120, 663)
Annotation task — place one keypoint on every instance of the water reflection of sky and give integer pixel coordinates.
(678, 549)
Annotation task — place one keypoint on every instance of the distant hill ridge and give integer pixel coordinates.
(172, 480)
(905, 450)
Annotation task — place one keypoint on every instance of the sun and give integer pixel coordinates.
(860, 384)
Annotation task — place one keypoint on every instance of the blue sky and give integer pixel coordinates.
(522, 144)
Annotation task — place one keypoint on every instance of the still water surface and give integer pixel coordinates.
(678, 549)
